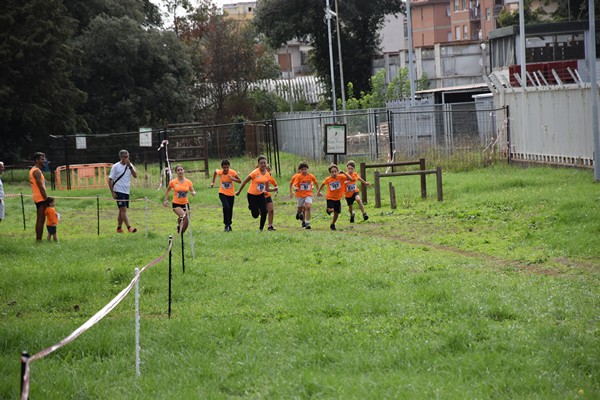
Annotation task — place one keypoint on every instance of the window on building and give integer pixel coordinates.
(447, 10)
(488, 14)
(249, 9)
(465, 32)
(304, 57)
(464, 4)
(455, 5)
(449, 36)
(421, 13)
(457, 33)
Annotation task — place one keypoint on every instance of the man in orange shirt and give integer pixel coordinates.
(38, 187)
(335, 191)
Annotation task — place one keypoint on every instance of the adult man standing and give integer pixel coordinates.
(38, 187)
(119, 183)
(1, 192)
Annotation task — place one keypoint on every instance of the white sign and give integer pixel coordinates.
(80, 142)
(335, 139)
(145, 137)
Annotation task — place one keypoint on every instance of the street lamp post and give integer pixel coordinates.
(328, 15)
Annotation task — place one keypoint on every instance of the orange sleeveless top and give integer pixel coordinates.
(37, 194)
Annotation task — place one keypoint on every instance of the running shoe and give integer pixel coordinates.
(332, 227)
(365, 216)
(270, 228)
(131, 229)
(119, 230)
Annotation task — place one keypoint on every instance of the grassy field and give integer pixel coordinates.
(492, 293)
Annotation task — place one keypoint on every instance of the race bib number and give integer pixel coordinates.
(305, 186)
(351, 187)
(226, 185)
(181, 195)
(335, 185)
(260, 187)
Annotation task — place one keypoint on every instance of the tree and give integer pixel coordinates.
(134, 76)
(228, 58)
(37, 95)
(360, 21)
(508, 18)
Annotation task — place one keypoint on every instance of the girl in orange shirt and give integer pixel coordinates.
(181, 187)
(259, 184)
(335, 191)
(226, 191)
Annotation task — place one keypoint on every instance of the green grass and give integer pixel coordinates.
(493, 293)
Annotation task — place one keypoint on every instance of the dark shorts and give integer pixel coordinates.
(51, 229)
(335, 204)
(122, 199)
(40, 204)
(350, 200)
(184, 206)
(269, 199)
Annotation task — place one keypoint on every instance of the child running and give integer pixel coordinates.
(257, 202)
(352, 190)
(302, 186)
(181, 187)
(226, 191)
(335, 191)
(52, 218)
(269, 199)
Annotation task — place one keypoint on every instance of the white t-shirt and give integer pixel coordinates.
(122, 185)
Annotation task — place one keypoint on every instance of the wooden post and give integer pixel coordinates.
(423, 178)
(363, 188)
(377, 190)
(392, 196)
(438, 175)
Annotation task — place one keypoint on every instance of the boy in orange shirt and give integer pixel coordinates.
(302, 185)
(226, 191)
(52, 218)
(335, 191)
(352, 191)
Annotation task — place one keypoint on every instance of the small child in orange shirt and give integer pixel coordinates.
(301, 186)
(52, 218)
(335, 191)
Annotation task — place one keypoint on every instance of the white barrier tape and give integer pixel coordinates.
(87, 325)
(82, 198)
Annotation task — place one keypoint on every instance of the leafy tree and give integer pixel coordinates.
(37, 95)
(134, 76)
(508, 18)
(360, 21)
(574, 10)
(142, 11)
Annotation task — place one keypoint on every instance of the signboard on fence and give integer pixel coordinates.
(80, 142)
(335, 139)
(145, 137)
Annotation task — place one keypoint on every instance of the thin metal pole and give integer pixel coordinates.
(146, 197)
(411, 70)
(98, 212)
(328, 15)
(23, 211)
(594, 86)
(339, 43)
(137, 323)
(182, 254)
(24, 360)
(190, 229)
(170, 272)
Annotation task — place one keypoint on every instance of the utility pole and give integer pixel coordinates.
(328, 15)
(411, 70)
(594, 86)
(339, 43)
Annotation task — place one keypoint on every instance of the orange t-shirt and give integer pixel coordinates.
(258, 184)
(335, 187)
(351, 187)
(226, 187)
(304, 184)
(37, 194)
(181, 190)
(273, 182)
(51, 216)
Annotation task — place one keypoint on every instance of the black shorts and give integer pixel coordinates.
(268, 199)
(122, 199)
(335, 204)
(40, 204)
(350, 200)
(51, 229)
(184, 206)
